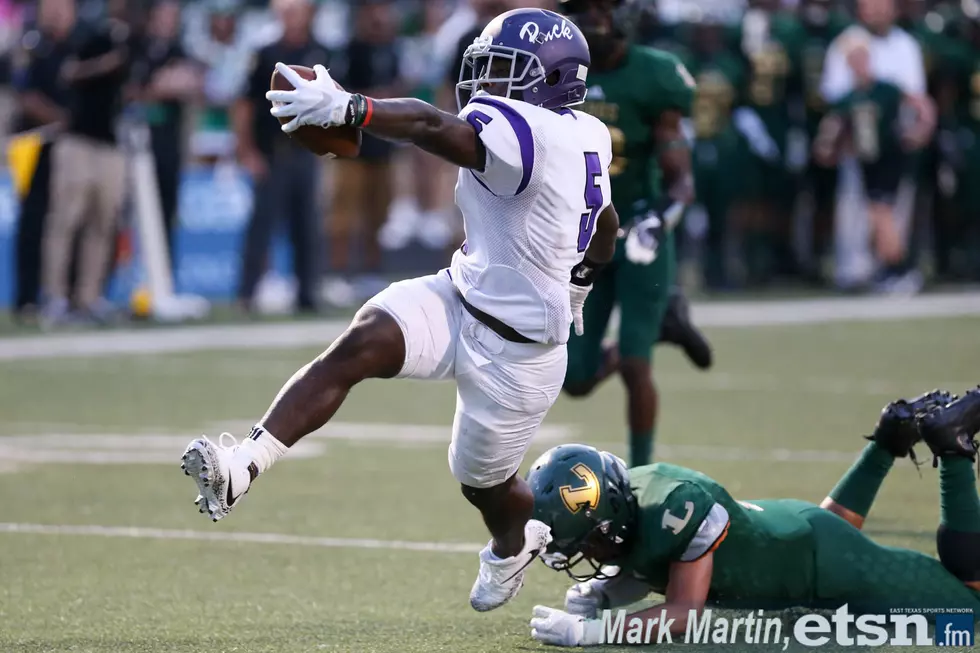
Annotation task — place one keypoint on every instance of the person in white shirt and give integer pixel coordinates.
(896, 58)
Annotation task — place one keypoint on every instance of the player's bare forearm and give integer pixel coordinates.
(674, 156)
(687, 589)
(676, 615)
(428, 128)
(603, 244)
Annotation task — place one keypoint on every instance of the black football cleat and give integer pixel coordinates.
(897, 430)
(950, 429)
(677, 329)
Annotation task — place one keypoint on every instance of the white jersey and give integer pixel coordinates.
(529, 216)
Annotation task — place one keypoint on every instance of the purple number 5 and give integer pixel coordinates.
(478, 119)
(593, 199)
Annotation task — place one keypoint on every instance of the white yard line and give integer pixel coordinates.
(162, 448)
(320, 333)
(136, 532)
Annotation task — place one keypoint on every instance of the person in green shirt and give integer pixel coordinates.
(957, 229)
(643, 96)
(720, 74)
(670, 530)
(771, 119)
(820, 24)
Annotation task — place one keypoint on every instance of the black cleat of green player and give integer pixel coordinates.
(677, 329)
(950, 429)
(897, 430)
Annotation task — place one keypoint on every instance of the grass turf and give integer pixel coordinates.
(781, 415)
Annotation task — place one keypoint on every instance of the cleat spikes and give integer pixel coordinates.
(950, 429)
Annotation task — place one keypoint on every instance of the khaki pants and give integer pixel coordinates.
(361, 199)
(88, 180)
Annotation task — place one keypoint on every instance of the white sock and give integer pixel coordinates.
(263, 448)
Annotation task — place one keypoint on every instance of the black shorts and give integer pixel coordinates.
(882, 177)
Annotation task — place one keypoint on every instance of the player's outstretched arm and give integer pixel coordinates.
(321, 103)
(435, 131)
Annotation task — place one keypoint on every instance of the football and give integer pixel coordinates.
(342, 141)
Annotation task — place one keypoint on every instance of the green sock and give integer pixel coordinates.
(856, 491)
(959, 504)
(641, 448)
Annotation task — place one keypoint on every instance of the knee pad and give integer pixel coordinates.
(960, 553)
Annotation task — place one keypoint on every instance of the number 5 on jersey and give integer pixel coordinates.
(593, 199)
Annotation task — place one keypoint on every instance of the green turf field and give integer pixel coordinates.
(90, 447)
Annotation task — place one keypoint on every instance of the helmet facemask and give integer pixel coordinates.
(485, 64)
(596, 549)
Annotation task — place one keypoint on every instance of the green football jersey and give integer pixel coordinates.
(873, 113)
(629, 100)
(719, 79)
(811, 52)
(764, 551)
(773, 75)
(961, 62)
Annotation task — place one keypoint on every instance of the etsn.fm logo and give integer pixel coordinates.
(954, 629)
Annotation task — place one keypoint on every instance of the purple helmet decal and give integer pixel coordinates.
(539, 55)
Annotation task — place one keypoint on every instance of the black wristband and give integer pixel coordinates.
(585, 272)
(357, 110)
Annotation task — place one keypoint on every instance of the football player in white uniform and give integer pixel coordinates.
(534, 193)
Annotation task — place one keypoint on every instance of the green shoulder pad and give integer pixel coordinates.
(672, 510)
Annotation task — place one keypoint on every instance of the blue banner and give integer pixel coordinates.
(214, 208)
(8, 222)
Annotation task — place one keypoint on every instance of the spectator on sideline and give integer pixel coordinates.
(896, 58)
(881, 140)
(222, 50)
(168, 81)
(88, 172)
(364, 186)
(427, 201)
(461, 26)
(285, 175)
(43, 100)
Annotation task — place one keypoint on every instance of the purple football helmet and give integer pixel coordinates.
(545, 53)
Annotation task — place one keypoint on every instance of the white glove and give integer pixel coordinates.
(319, 102)
(558, 628)
(585, 599)
(576, 300)
(643, 239)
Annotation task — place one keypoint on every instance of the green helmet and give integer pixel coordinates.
(584, 495)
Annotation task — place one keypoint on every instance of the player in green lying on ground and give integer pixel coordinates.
(642, 95)
(670, 530)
